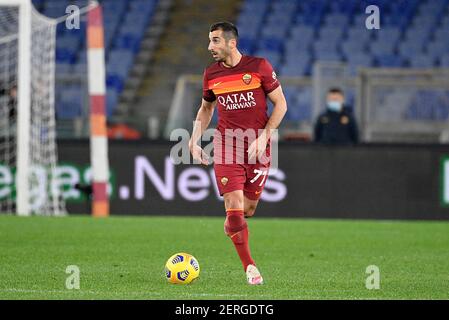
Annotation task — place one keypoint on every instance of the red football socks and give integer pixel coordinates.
(236, 228)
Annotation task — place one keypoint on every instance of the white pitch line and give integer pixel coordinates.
(73, 291)
(185, 295)
(118, 293)
(216, 295)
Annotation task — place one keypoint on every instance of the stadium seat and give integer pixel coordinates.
(356, 61)
(273, 57)
(250, 31)
(392, 20)
(345, 7)
(297, 56)
(419, 34)
(352, 47)
(424, 20)
(330, 34)
(124, 25)
(422, 61)
(70, 104)
(444, 24)
(119, 62)
(285, 6)
(295, 49)
(359, 34)
(444, 61)
(442, 34)
(335, 30)
(271, 44)
(409, 49)
(437, 49)
(246, 45)
(328, 56)
(111, 100)
(359, 21)
(63, 68)
(304, 103)
(300, 33)
(390, 61)
(295, 68)
(255, 6)
(274, 30)
(427, 105)
(336, 20)
(381, 47)
(127, 41)
(388, 34)
(325, 46)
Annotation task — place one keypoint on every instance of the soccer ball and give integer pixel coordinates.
(182, 268)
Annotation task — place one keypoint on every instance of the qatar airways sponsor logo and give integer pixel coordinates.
(237, 101)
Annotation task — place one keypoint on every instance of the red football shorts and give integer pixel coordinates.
(233, 170)
(250, 178)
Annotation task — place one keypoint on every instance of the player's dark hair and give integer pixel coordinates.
(336, 90)
(229, 29)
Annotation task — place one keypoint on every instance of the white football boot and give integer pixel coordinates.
(253, 275)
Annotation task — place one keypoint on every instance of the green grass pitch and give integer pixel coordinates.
(123, 258)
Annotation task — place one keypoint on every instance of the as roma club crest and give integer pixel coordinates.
(247, 78)
(224, 180)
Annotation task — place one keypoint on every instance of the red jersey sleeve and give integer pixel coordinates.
(269, 77)
(208, 94)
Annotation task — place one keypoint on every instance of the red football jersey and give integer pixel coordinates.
(240, 92)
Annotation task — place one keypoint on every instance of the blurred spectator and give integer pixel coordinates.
(12, 102)
(10, 94)
(336, 125)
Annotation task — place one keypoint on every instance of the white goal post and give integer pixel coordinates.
(28, 145)
(23, 104)
(29, 176)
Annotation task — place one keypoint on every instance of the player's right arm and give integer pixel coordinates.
(202, 121)
(203, 118)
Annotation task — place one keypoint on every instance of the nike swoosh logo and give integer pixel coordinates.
(216, 84)
(258, 192)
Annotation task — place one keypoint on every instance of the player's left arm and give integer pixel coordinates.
(279, 109)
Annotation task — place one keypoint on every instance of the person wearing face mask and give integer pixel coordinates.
(336, 125)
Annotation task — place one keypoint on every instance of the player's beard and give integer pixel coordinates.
(218, 57)
(221, 56)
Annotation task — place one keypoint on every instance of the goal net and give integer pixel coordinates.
(28, 153)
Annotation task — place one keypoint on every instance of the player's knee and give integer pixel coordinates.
(250, 211)
(233, 202)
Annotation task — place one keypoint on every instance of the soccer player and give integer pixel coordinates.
(238, 86)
